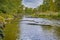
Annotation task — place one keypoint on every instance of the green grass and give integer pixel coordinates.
(11, 30)
(47, 15)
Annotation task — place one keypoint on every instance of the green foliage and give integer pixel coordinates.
(28, 10)
(2, 19)
(20, 10)
(50, 5)
(7, 6)
(57, 2)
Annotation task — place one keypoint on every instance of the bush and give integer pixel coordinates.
(9, 18)
(2, 19)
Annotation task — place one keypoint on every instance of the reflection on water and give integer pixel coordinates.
(38, 32)
(57, 32)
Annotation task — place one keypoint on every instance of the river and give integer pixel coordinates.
(38, 29)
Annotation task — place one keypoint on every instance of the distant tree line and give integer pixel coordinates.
(15, 6)
(48, 5)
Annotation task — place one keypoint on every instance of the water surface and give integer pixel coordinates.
(38, 32)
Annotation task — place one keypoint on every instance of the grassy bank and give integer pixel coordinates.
(11, 30)
(48, 15)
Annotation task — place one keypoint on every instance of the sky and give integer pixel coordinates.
(32, 3)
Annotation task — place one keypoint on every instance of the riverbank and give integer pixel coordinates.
(11, 30)
(49, 15)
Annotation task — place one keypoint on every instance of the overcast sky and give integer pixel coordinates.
(32, 3)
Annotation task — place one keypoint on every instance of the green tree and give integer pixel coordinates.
(28, 10)
(57, 2)
(9, 6)
(48, 5)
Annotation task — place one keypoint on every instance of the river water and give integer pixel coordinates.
(38, 29)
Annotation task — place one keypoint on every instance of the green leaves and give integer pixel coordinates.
(28, 10)
(48, 5)
(9, 5)
(57, 2)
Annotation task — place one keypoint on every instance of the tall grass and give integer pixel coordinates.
(11, 30)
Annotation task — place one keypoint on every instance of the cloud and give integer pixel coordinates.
(32, 3)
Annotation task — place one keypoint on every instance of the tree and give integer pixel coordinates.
(48, 5)
(20, 10)
(51, 4)
(9, 6)
(57, 2)
(28, 10)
